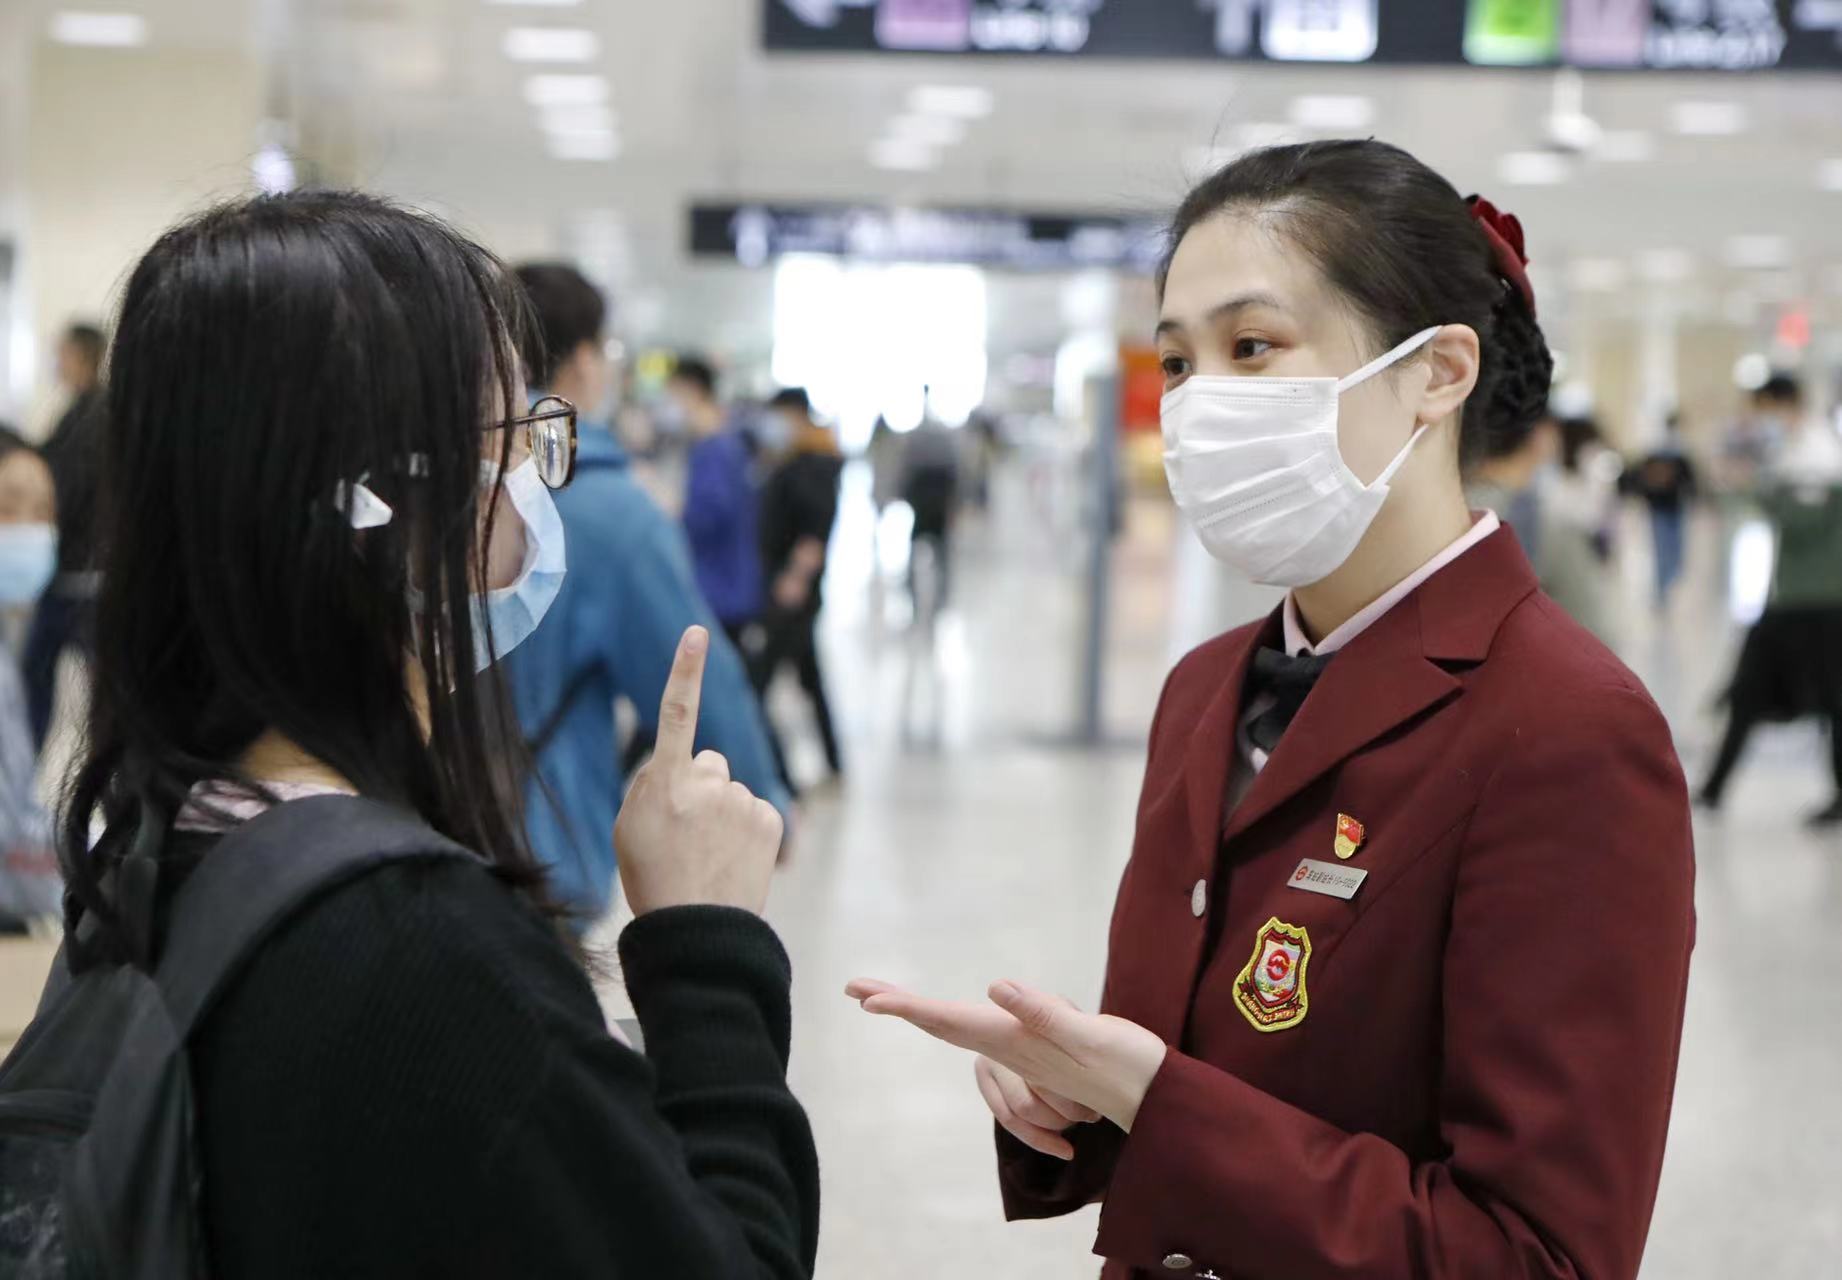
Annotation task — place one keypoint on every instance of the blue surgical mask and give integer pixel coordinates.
(28, 559)
(510, 614)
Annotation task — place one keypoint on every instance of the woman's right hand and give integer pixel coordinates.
(1035, 1117)
(687, 835)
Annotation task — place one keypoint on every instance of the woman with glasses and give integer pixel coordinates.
(323, 528)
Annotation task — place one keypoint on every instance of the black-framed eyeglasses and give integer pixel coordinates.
(551, 432)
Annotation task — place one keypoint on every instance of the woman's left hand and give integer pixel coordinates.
(1099, 1061)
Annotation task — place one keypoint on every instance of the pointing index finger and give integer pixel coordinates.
(684, 690)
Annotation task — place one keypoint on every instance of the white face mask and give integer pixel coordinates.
(1254, 466)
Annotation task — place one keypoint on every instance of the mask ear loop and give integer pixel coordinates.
(1374, 367)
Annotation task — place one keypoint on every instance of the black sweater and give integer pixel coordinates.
(414, 1079)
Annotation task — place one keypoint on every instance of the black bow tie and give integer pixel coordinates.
(1288, 679)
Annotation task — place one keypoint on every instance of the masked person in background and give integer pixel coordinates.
(1790, 664)
(62, 620)
(799, 506)
(316, 551)
(611, 634)
(30, 886)
(1397, 967)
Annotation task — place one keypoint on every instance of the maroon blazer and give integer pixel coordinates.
(1465, 1070)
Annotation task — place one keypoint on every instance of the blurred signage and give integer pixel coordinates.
(1631, 35)
(754, 234)
(1141, 388)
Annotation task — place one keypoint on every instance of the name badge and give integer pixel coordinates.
(1328, 878)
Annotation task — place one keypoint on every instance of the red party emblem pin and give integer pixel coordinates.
(1350, 835)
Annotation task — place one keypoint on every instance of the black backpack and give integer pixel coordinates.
(99, 1171)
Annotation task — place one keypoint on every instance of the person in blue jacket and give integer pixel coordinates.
(614, 629)
(722, 511)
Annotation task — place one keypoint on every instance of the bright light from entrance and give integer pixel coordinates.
(865, 340)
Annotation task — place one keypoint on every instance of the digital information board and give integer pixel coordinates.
(1616, 35)
(756, 233)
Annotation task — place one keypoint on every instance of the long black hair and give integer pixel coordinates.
(1399, 244)
(269, 353)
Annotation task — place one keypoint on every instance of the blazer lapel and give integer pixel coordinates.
(1210, 756)
(1390, 673)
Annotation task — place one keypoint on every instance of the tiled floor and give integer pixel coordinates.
(972, 844)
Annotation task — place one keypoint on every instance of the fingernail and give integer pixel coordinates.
(1004, 990)
(695, 640)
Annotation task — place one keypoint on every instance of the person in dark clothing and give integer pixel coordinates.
(1790, 663)
(62, 618)
(722, 515)
(931, 470)
(316, 553)
(1665, 480)
(799, 506)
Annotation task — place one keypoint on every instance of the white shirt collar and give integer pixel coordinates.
(1297, 644)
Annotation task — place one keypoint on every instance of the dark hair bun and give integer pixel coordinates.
(1516, 390)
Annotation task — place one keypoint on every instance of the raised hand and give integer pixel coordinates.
(687, 835)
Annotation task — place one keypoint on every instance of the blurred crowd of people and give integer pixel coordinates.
(738, 539)
(686, 508)
(1562, 487)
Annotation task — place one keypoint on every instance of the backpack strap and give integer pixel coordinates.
(264, 871)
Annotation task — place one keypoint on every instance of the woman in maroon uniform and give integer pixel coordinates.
(1397, 967)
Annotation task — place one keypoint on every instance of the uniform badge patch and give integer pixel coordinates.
(1271, 989)
(1350, 835)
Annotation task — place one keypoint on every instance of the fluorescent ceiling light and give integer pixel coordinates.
(536, 4)
(1625, 146)
(903, 156)
(597, 118)
(1829, 175)
(551, 44)
(1533, 168)
(584, 146)
(554, 90)
(961, 101)
(1666, 266)
(1710, 119)
(1333, 111)
(99, 30)
(931, 131)
(1757, 252)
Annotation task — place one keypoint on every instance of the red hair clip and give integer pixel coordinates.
(1504, 231)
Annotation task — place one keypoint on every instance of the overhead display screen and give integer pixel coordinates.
(754, 234)
(1620, 35)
